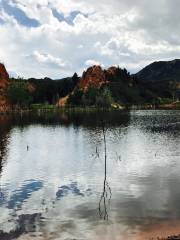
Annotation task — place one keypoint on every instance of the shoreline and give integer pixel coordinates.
(89, 109)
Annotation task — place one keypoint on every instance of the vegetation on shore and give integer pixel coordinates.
(113, 88)
(23, 96)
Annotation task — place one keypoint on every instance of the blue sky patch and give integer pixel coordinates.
(18, 14)
(21, 195)
(69, 19)
(1, 21)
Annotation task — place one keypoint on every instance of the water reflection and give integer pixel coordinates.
(25, 223)
(20, 195)
(66, 189)
(106, 193)
(5, 127)
(52, 190)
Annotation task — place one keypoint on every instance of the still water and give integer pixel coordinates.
(53, 183)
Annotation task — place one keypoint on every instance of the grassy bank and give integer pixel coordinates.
(88, 109)
(115, 106)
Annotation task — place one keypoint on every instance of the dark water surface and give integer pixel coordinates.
(52, 175)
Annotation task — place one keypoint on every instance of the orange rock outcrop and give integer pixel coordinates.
(93, 77)
(4, 82)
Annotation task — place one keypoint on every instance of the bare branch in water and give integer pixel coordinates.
(106, 195)
(118, 157)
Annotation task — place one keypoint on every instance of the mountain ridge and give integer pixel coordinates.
(160, 71)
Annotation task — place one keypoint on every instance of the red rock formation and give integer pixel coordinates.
(4, 82)
(93, 77)
(110, 72)
(62, 101)
(96, 77)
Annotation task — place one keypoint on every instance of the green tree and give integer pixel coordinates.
(75, 97)
(173, 88)
(89, 97)
(18, 94)
(75, 79)
(104, 99)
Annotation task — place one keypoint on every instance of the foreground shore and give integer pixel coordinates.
(47, 107)
(173, 238)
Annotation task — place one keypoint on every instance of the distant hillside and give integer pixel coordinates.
(162, 78)
(160, 71)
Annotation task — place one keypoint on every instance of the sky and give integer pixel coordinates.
(55, 38)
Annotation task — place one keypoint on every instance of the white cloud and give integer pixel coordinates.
(130, 33)
(92, 62)
(48, 59)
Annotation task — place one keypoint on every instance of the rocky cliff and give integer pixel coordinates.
(93, 77)
(4, 82)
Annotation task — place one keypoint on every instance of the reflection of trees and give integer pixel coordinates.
(25, 223)
(4, 136)
(173, 85)
(89, 120)
(105, 199)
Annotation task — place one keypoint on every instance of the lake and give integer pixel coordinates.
(56, 184)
